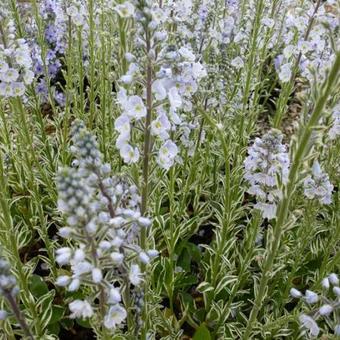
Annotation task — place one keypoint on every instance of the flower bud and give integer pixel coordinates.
(63, 280)
(325, 310)
(97, 275)
(117, 258)
(333, 279)
(295, 293)
(311, 297)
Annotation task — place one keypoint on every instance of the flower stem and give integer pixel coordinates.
(19, 316)
(147, 139)
(283, 209)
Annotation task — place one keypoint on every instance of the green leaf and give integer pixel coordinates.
(194, 252)
(54, 328)
(84, 323)
(202, 333)
(57, 313)
(184, 260)
(186, 281)
(38, 286)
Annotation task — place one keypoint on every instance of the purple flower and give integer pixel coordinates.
(60, 98)
(38, 68)
(53, 68)
(50, 55)
(41, 89)
(50, 34)
(278, 62)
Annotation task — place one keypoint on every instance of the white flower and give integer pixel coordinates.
(74, 285)
(186, 54)
(125, 10)
(288, 51)
(337, 330)
(97, 275)
(237, 63)
(333, 279)
(268, 22)
(122, 125)
(117, 258)
(82, 268)
(3, 314)
(122, 99)
(336, 291)
(325, 309)
(78, 19)
(295, 293)
(80, 309)
(198, 70)
(114, 296)
(28, 77)
(335, 129)
(79, 256)
(136, 107)
(135, 275)
(115, 316)
(174, 98)
(3, 66)
(160, 126)
(144, 257)
(104, 245)
(167, 153)
(144, 221)
(310, 324)
(311, 297)
(6, 89)
(268, 209)
(63, 280)
(18, 89)
(285, 73)
(11, 75)
(63, 255)
(133, 70)
(117, 221)
(129, 57)
(22, 57)
(127, 78)
(72, 10)
(159, 90)
(65, 232)
(153, 253)
(325, 283)
(91, 227)
(318, 185)
(129, 154)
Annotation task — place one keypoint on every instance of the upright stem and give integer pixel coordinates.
(146, 160)
(290, 85)
(19, 316)
(302, 148)
(92, 62)
(147, 139)
(250, 66)
(81, 75)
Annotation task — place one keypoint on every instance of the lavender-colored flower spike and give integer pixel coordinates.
(267, 160)
(103, 227)
(318, 186)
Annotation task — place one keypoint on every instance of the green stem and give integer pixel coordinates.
(288, 88)
(92, 63)
(19, 316)
(283, 209)
(81, 75)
